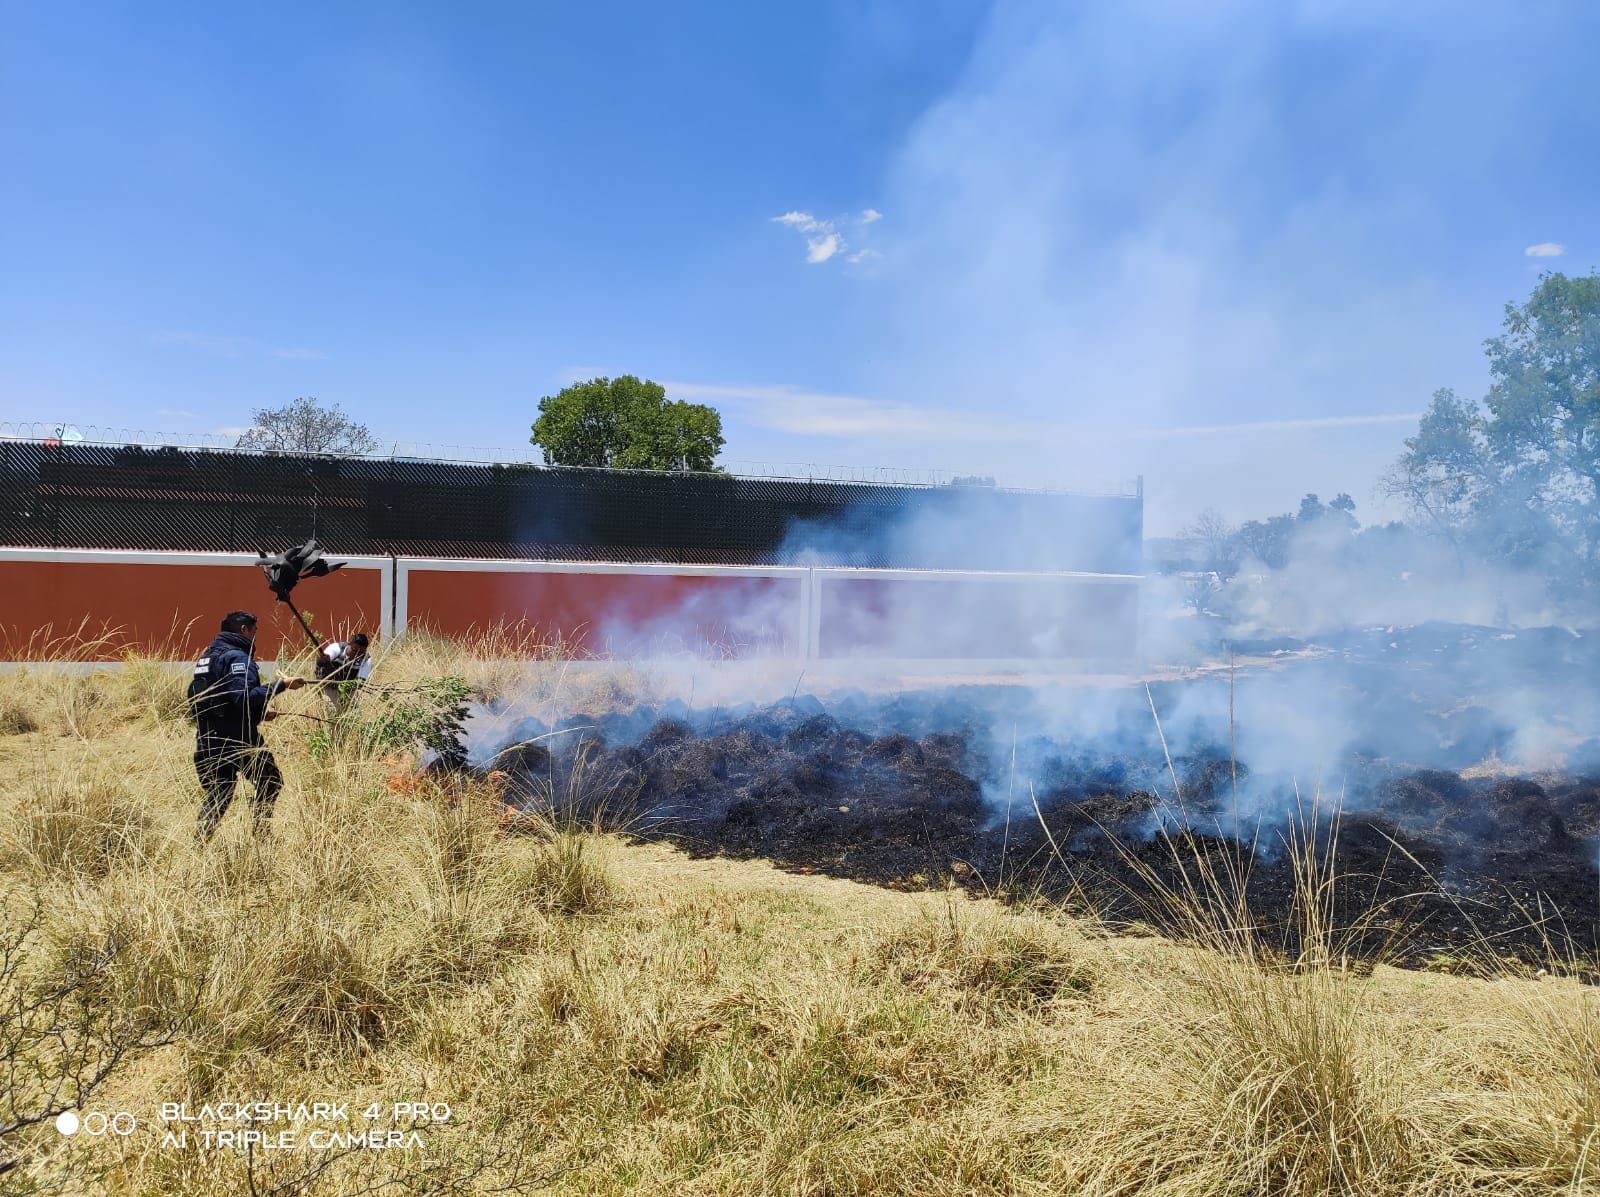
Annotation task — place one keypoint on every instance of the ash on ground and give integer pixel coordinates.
(1449, 776)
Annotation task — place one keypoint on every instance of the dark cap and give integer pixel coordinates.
(237, 621)
(361, 639)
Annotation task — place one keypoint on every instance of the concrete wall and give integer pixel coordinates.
(99, 605)
(102, 604)
(612, 610)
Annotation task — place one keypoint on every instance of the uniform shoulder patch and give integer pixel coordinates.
(240, 667)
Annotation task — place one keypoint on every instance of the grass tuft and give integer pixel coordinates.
(1009, 956)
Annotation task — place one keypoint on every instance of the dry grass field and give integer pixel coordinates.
(602, 1016)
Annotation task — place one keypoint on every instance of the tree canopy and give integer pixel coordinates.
(626, 423)
(1518, 475)
(1273, 542)
(305, 426)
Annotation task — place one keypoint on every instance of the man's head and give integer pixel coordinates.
(360, 641)
(240, 622)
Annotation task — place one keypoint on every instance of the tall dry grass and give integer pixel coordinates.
(610, 1017)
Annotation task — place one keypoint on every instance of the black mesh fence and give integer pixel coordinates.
(101, 496)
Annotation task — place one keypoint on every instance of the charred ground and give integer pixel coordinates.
(1068, 793)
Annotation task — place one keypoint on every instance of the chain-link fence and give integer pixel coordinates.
(87, 495)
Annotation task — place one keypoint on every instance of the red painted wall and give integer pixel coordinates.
(98, 611)
(614, 614)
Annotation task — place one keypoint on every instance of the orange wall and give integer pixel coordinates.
(614, 613)
(101, 609)
(165, 610)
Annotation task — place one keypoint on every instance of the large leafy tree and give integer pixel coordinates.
(626, 423)
(1518, 476)
(305, 426)
(1443, 473)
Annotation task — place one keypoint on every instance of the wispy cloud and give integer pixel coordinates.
(174, 411)
(1546, 249)
(800, 412)
(824, 240)
(1309, 424)
(223, 346)
(803, 221)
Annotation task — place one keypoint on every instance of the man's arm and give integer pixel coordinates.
(242, 686)
(261, 695)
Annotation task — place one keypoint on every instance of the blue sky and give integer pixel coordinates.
(1231, 247)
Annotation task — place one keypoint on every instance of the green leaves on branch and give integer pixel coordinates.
(1517, 477)
(627, 424)
(431, 715)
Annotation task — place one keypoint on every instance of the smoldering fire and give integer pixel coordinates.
(1459, 762)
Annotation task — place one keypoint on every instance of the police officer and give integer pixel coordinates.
(341, 663)
(230, 704)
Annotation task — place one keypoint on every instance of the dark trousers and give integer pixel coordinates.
(219, 764)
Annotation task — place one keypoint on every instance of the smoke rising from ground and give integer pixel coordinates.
(1357, 651)
(1121, 222)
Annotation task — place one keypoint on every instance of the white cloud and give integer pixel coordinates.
(173, 411)
(820, 249)
(300, 355)
(823, 238)
(1546, 249)
(804, 222)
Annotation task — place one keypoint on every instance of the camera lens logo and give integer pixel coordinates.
(95, 1124)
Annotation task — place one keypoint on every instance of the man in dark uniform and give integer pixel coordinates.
(230, 704)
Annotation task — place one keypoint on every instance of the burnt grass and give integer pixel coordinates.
(919, 792)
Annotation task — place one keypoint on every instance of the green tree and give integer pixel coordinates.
(626, 424)
(1443, 475)
(1543, 429)
(305, 426)
(1519, 474)
(1268, 542)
